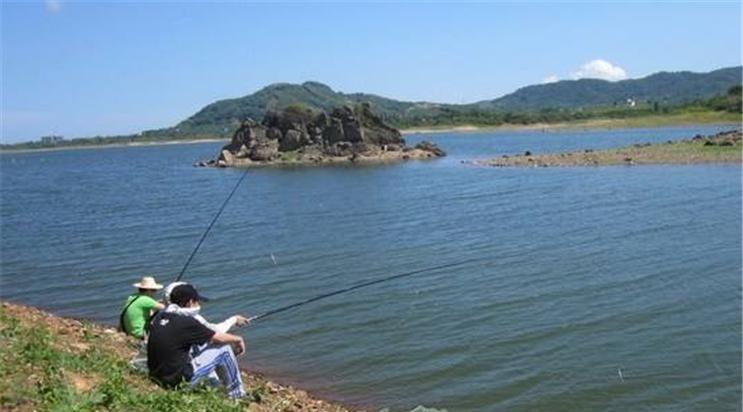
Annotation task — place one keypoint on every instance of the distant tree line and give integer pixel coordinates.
(433, 116)
(730, 102)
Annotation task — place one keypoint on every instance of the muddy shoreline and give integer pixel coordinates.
(724, 147)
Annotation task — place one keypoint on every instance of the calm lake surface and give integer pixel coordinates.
(609, 288)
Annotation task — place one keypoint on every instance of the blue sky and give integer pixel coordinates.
(86, 68)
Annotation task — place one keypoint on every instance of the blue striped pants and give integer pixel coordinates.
(218, 363)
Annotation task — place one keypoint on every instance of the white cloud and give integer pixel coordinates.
(53, 6)
(600, 69)
(550, 79)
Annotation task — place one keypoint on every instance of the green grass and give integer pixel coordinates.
(37, 372)
(671, 119)
(289, 157)
(692, 148)
(601, 122)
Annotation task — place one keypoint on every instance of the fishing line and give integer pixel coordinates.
(206, 232)
(358, 286)
(318, 297)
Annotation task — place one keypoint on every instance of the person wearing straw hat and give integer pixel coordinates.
(139, 307)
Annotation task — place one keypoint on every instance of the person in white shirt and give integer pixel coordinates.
(222, 327)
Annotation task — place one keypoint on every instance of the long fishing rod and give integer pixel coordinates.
(358, 286)
(206, 232)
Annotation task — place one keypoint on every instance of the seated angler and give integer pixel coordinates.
(139, 307)
(172, 336)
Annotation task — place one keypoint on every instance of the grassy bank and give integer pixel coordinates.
(56, 364)
(721, 148)
(674, 119)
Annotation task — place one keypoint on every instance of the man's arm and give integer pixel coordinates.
(228, 338)
(152, 304)
(155, 307)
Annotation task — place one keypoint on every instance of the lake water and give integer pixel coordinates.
(608, 288)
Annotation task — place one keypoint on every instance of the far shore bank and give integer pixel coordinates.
(591, 124)
(587, 125)
(114, 145)
(84, 365)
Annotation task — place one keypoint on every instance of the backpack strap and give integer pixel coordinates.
(151, 319)
(123, 312)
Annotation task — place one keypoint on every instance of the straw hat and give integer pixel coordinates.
(148, 282)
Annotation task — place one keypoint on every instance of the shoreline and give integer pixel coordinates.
(721, 148)
(85, 339)
(587, 125)
(114, 145)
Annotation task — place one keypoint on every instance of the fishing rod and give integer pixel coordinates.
(319, 297)
(358, 286)
(206, 232)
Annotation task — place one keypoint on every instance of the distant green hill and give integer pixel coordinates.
(660, 94)
(664, 87)
(222, 117)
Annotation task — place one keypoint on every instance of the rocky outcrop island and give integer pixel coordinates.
(302, 136)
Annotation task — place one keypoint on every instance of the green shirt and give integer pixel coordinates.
(138, 313)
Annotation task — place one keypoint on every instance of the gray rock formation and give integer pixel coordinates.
(347, 132)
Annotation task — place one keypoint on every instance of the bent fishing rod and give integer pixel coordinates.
(355, 287)
(206, 232)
